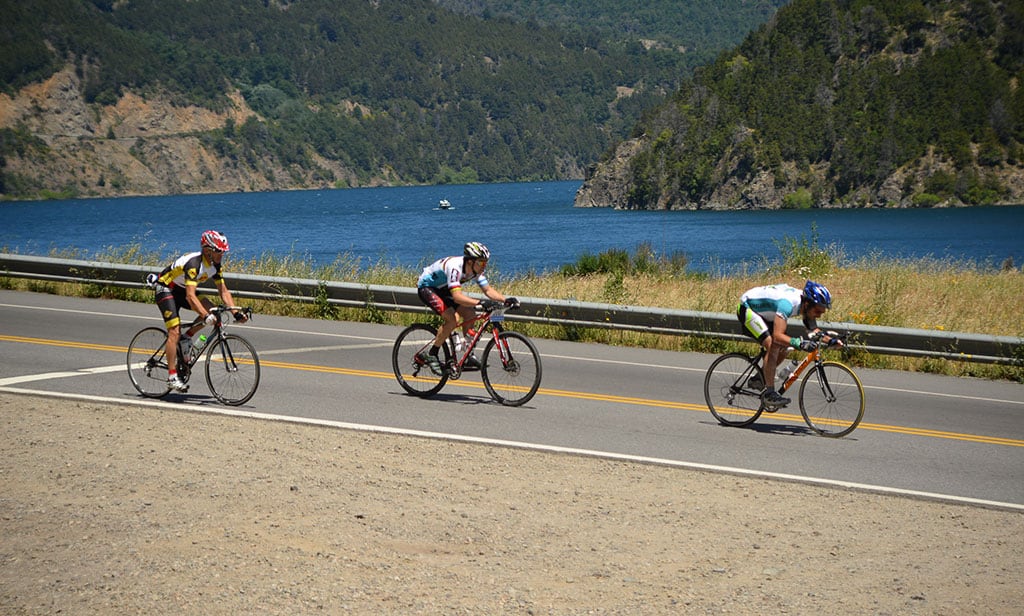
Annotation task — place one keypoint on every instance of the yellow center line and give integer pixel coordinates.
(64, 343)
(578, 395)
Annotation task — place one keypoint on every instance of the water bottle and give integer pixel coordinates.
(198, 344)
(787, 369)
(459, 342)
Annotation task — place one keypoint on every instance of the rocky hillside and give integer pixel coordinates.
(100, 97)
(837, 103)
(137, 146)
(610, 184)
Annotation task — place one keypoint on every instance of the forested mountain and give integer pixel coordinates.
(700, 27)
(839, 103)
(139, 96)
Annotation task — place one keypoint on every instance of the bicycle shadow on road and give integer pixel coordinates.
(765, 427)
(464, 400)
(780, 428)
(197, 399)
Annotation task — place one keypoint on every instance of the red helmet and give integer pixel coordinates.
(215, 240)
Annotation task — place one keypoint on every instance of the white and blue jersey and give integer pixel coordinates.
(780, 299)
(759, 307)
(447, 274)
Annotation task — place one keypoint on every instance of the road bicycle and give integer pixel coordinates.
(232, 367)
(831, 396)
(510, 366)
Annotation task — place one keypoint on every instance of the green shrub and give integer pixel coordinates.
(805, 257)
(801, 199)
(617, 261)
(926, 200)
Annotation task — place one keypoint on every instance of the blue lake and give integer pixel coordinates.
(528, 226)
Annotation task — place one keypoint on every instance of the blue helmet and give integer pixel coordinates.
(817, 293)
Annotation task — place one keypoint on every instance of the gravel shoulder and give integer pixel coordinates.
(110, 509)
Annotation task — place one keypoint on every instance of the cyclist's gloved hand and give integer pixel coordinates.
(241, 314)
(210, 318)
(808, 345)
(512, 302)
(487, 305)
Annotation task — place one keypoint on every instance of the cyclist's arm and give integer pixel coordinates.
(227, 300)
(779, 335)
(193, 300)
(461, 298)
(492, 293)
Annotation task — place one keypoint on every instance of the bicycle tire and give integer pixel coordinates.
(832, 399)
(729, 398)
(415, 377)
(147, 362)
(232, 369)
(513, 379)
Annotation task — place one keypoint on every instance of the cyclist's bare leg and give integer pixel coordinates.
(446, 327)
(173, 336)
(772, 360)
(769, 362)
(466, 314)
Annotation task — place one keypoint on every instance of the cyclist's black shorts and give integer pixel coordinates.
(754, 324)
(171, 300)
(439, 299)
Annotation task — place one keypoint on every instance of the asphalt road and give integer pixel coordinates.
(937, 437)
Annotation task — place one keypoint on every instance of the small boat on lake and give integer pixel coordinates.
(444, 204)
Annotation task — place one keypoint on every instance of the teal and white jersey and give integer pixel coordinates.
(447, 274)
(780, 299)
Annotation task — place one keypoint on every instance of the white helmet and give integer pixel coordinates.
(475, 250)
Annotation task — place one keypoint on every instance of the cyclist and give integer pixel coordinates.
(440, 287)
(176, 289)
(763, 312)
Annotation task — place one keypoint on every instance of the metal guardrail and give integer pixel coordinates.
(957, 346)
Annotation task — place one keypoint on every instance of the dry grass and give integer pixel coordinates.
(920, 295)
(894, 295)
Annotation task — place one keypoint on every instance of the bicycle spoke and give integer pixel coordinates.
(511, 369)
(728, 392)
(147, 362)
(413, 374)
(232, 369)
(832, 399)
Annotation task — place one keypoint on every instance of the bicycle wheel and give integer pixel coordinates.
(147, 362)
(512, 373)
(232, 369)
(413, 375)
(730, 399)
(832, 399)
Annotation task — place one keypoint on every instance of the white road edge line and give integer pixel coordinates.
(815, 481)
(157, 323)
(27, 378)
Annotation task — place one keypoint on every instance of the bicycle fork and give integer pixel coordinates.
(508, 363)
(226, 355)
